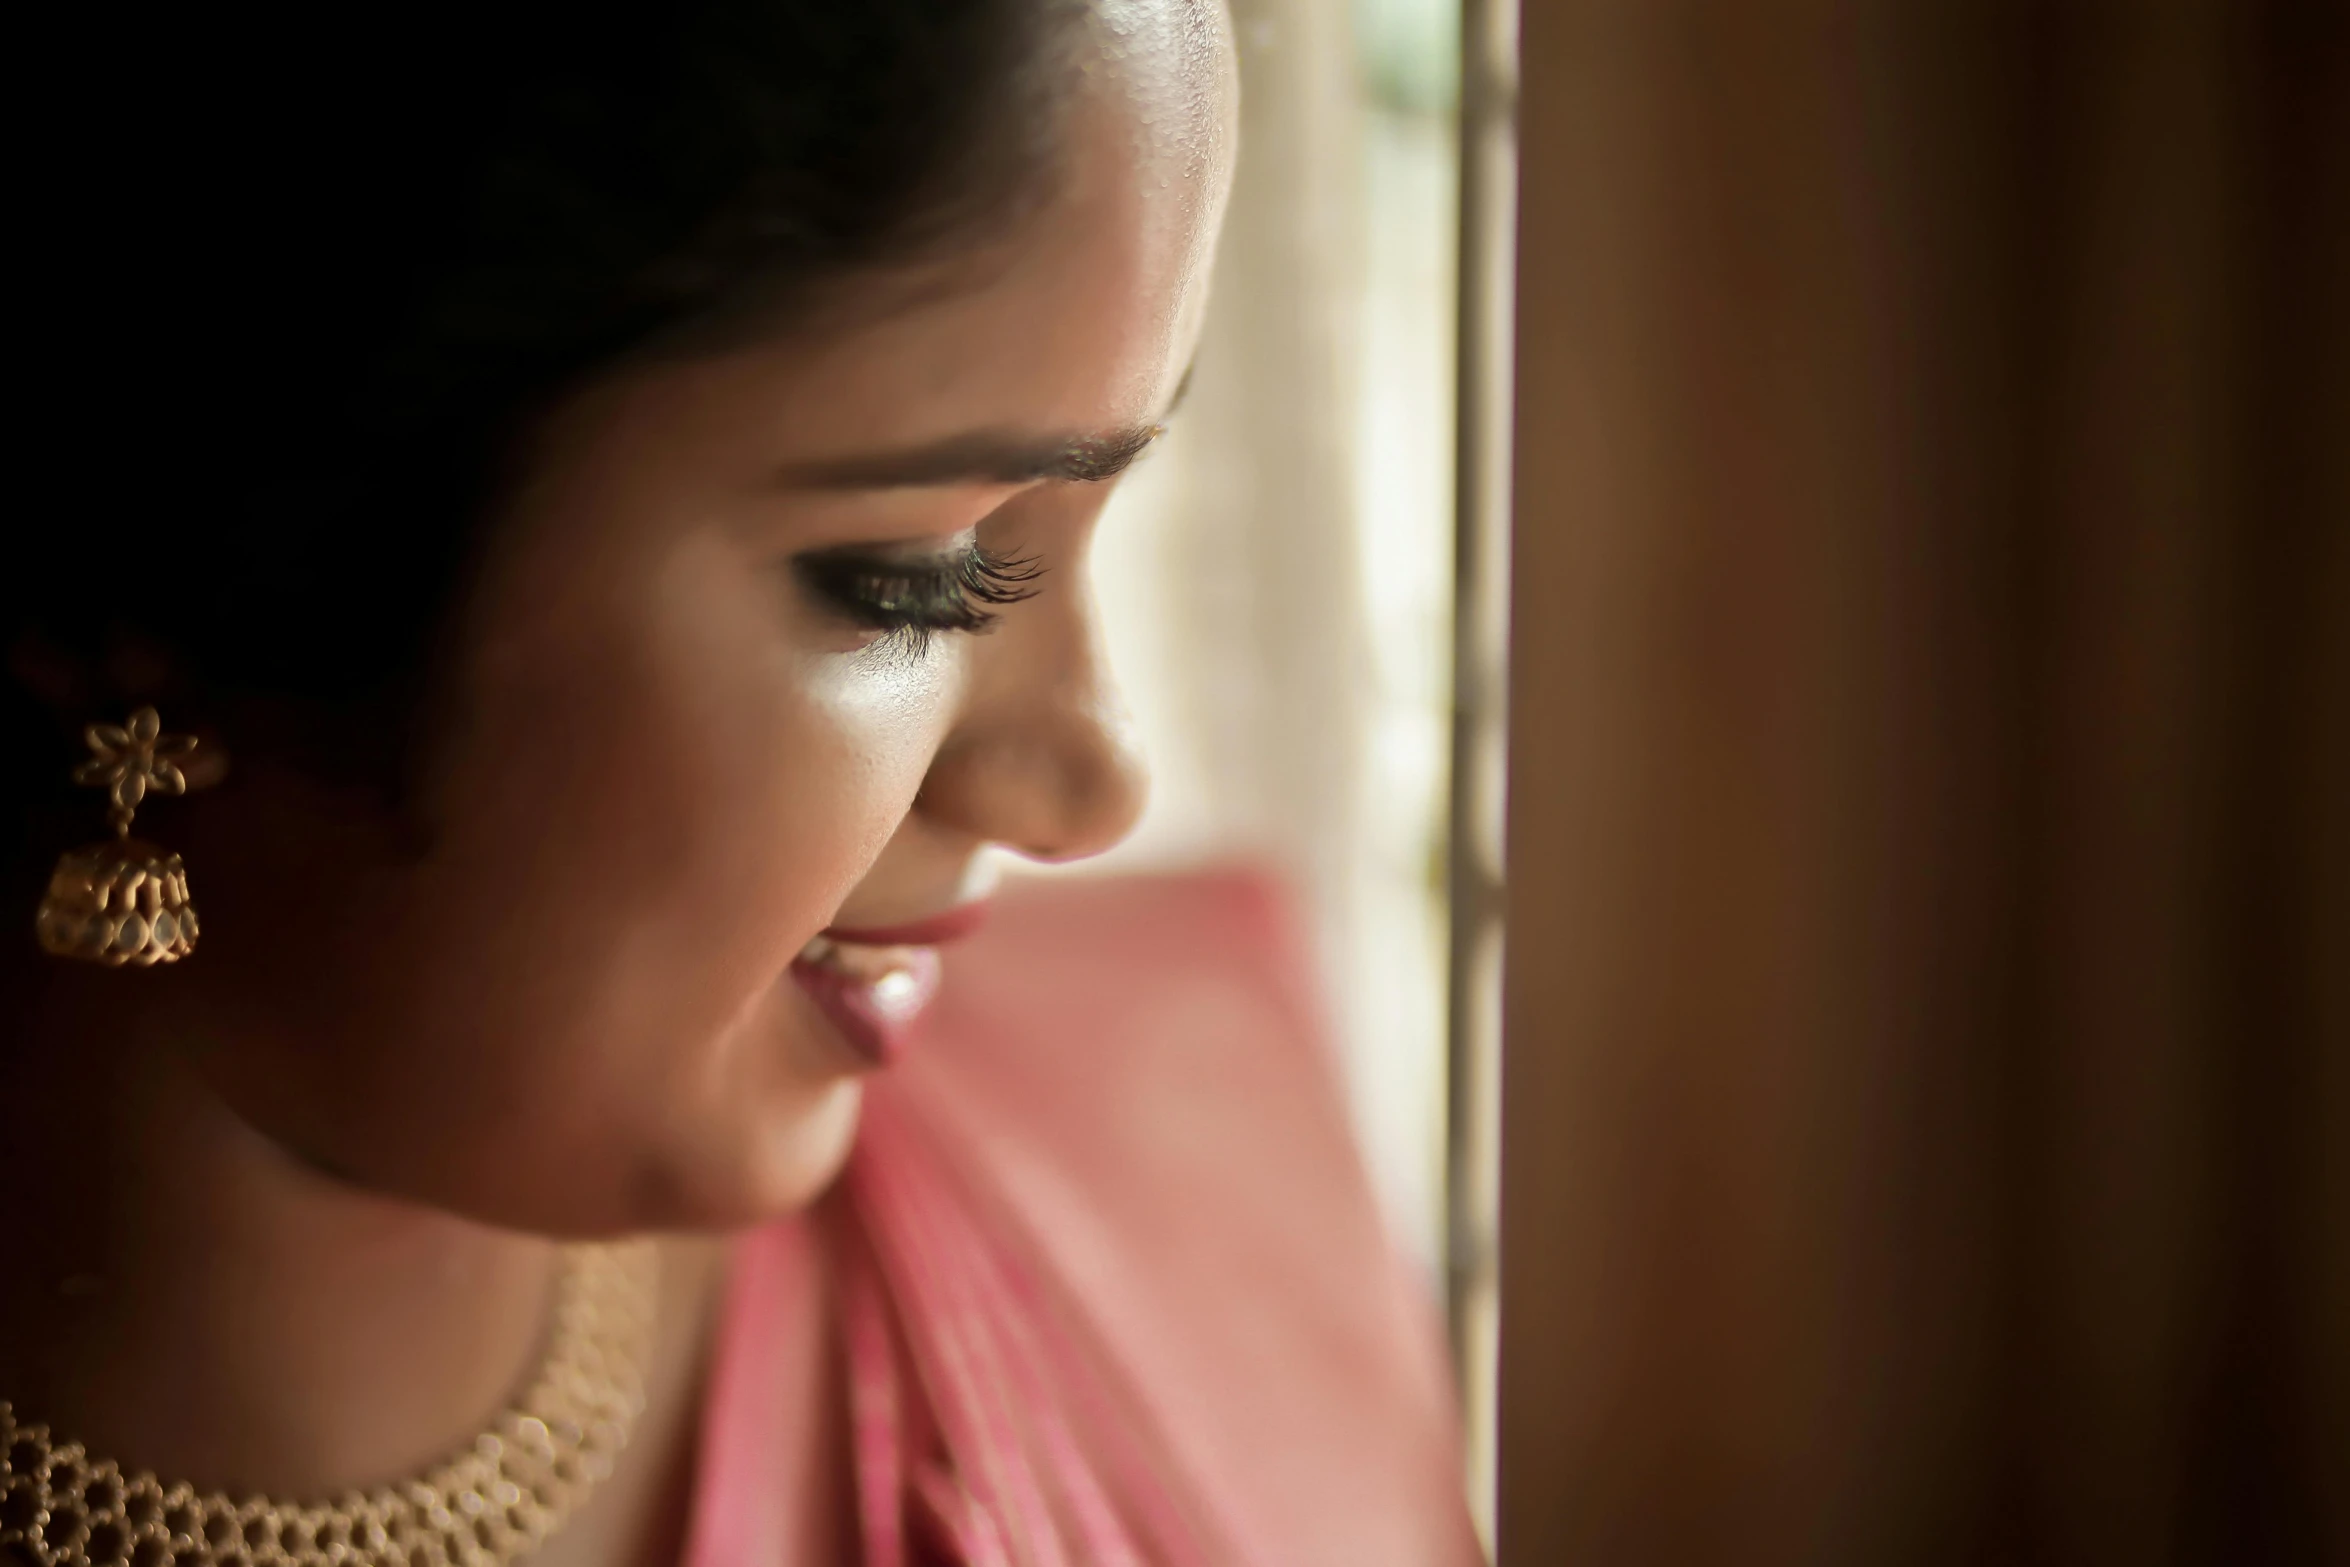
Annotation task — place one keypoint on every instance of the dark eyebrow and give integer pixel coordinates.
(987, 457)
(981, 457)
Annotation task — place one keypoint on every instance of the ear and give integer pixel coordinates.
(50, 675)
(141, 669)
(133, 671)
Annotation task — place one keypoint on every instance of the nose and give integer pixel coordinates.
(1043, 758)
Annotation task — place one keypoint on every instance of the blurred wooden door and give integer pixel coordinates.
(1927, 1028)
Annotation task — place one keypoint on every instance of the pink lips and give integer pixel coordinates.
(873, 984)
(873, 1016)
(953, 925)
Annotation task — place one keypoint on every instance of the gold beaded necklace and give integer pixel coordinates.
(486, 1505)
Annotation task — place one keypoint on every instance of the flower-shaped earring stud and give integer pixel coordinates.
(125, 901)
(133, 761)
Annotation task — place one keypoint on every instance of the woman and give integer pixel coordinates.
(536, 478)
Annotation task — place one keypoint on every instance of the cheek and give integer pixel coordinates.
(638, 823)
(875, 721)
(703, 786)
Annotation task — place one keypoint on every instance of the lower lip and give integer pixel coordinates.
(874, 1017)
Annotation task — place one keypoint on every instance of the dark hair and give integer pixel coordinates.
(300, 280)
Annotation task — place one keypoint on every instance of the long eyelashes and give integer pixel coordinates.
(913, 600)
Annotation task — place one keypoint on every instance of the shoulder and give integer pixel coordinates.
(1139, 1067)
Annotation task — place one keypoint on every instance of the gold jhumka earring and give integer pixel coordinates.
(125, 901)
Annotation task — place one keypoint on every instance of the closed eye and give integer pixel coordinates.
(914, 599)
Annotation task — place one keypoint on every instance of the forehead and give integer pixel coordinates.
(1085, 314)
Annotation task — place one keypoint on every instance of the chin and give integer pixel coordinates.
(780, 1164)
(743, 1170)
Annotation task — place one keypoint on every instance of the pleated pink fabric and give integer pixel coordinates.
(1033, 1457)
(1105, 1278)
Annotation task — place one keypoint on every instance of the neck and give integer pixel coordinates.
(182, 1296)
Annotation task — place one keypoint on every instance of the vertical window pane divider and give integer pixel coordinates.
(1488, 92)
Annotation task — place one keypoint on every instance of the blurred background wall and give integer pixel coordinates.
(1927, 1058)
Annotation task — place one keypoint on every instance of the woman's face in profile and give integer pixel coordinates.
(693, 717)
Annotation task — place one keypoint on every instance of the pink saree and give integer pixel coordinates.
(1107, 1281)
